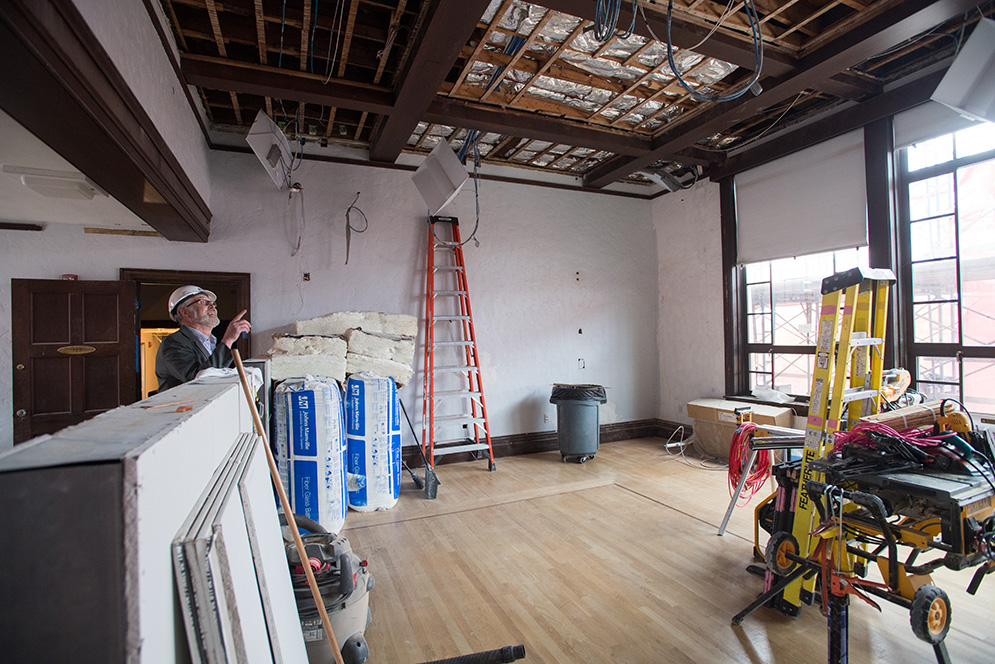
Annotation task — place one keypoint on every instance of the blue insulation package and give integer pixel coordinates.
(309, 442)
(373, 439)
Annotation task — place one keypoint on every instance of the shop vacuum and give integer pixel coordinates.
(344, 582)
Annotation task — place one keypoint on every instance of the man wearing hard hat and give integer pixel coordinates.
(192, 348)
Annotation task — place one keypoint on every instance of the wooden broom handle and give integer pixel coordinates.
(285, 503)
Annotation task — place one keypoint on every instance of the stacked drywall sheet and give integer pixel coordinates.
(343, 343)
(231, 569)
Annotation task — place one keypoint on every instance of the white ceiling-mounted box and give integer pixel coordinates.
(968, 87)
(271, 148)
(440, 177)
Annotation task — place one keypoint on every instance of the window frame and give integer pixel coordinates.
(889, 246)
(914, 350)
(879, 151)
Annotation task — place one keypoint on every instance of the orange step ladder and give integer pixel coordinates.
(454, 412)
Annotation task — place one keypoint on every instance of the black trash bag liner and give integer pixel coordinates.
(578, 393)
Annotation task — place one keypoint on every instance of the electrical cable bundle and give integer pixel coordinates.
(739, 453)
(758, 55)
(606, 17)
(869, 434)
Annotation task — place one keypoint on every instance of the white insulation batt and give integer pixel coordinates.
(378, 366)
(309, 422)
(288, 344)
(283, 367)
(373, 439)
(295, 356)
(338, 323)
(386, 346)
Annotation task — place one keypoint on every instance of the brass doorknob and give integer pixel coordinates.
(20, 367)
(22, 412)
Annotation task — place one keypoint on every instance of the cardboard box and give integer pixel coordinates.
(715, 422)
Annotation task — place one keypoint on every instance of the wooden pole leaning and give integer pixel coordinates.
(285, 503)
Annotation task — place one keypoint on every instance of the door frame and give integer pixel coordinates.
(239, 281)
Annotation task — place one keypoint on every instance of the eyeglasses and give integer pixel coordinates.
(203, 303)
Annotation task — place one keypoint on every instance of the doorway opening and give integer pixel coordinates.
(153, 288)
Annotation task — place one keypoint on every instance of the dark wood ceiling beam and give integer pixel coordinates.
(71, 96)
(736, 50)
(848, 85)
(902, 21)
(436, 47)
(478, 49)
(217, 74)
(897, 100)
(700, 157)
(533, 126)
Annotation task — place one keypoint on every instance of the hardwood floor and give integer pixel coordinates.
(616, 560)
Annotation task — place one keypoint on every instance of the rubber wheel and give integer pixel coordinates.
(780, 544)
(583, 459)
(930, 614)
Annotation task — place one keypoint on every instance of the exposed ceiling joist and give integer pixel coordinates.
(532, 125)
(899, 23)
(733, 49)
(218, 74)
(448, 27)
(543, 91)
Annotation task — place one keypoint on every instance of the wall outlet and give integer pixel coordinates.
(545, 418)
(580, 363)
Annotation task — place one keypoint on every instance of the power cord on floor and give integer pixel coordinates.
(702, 463)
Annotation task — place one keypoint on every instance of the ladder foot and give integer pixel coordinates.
(491, 466)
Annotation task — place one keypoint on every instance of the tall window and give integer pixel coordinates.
(782, 309)
(947, 207)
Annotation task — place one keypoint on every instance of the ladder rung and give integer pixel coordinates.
(456, 449)
(435, 318)
(858, 394)
(866, 341)
(456, 394)
(446, 420)
(449, 292)
(453, 343)
(448, 268)
(453, 369)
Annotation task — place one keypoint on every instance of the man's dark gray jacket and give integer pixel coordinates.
(181, 356)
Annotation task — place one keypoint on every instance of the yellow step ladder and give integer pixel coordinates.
(848, 367)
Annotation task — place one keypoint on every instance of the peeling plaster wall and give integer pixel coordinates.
(690, 337)
(128, 35)
(529, 303)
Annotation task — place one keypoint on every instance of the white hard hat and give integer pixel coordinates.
(184, 293)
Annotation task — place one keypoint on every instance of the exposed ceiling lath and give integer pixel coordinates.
(533, 85)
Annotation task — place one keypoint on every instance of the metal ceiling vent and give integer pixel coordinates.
(56, 184)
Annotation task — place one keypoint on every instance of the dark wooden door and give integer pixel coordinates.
(74, 351)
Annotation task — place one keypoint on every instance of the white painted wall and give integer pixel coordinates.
(128, 35)
(690, 336)
(528, 303)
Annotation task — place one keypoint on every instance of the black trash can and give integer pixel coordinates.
(577, 429)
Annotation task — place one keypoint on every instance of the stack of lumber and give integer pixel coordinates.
(342, 343)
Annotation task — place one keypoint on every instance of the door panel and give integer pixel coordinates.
(101, 388)
(100, 317)
(74, 351)
(51, 324)
(51, 389)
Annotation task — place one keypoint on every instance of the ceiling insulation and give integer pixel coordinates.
(533, 85)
